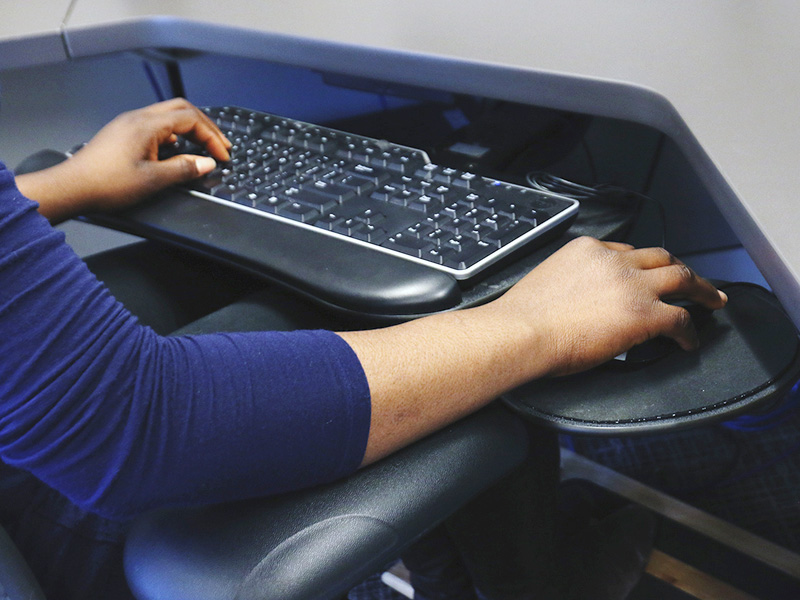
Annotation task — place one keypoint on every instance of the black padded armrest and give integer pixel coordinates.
(317, 544)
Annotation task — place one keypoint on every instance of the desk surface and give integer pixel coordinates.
(729, 70)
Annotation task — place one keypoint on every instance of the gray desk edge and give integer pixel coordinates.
(29, 51)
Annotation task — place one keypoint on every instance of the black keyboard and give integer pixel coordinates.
(375, 193)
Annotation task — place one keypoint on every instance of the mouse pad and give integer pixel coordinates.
(748, 355)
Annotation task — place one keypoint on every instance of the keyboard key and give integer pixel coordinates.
(330, 221)
(438, 236)
(477, 254)
(312, 197)
(469, 253)
(297, 211)
(270, 203)
(356, 183)
(407, 244)
(505, 236)
(369, 233)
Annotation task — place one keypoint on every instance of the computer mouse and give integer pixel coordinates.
(657, 348)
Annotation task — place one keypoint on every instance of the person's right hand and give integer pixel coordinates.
(593, 300)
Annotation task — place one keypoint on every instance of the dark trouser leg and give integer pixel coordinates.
(73, 554)
(437, 571)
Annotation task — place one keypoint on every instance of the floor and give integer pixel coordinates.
(728, 495)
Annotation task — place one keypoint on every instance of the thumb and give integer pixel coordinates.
(181, 168)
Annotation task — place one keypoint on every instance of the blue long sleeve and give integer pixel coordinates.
(121, 420)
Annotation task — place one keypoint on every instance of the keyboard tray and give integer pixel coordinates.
(337, 274)
(340, 275)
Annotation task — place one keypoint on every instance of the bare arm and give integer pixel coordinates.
(120, 165)
(584, 305)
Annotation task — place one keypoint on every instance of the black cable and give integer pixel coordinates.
(648, 181)
(151, 77)
(589, 159)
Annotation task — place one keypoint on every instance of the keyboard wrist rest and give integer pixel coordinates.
(335, 272)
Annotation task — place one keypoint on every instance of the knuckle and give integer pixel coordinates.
(585, 242)
(188, 167)
(177, 103)
(683, 320)
(130, 116)
(663, 256)
(668, 256)
(683, 274)
(581, 243)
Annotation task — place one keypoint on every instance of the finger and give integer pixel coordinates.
(676, 323)
(206, 132)
(176, 104)
(211, 138)
(678, 281)
(213, 126)
(181, 105)
(194, 124)
(168, 105)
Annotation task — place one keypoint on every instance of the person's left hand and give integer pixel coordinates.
(120, 165)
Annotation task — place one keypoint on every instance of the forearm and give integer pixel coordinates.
(430, 372)
(581, 307)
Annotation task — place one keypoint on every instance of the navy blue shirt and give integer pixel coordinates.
(121, 420)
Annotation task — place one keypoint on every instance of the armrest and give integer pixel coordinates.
(317, 544)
